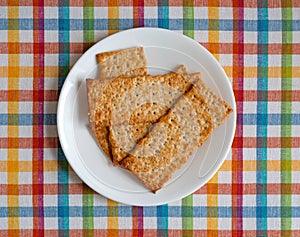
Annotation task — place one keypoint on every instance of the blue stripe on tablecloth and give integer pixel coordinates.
(163, 13)
(174, 23)
(173, 212)
(162, 220)
(27, 119)
(262, 119)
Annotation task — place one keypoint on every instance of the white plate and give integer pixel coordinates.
(164, 51)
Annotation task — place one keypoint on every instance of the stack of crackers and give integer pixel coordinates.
(150, 125)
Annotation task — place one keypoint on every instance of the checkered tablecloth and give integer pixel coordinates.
(256, 191)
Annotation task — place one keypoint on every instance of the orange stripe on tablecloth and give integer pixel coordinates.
(27, 143)
(27, 95)
(112, 218)
(13, 132)
(213, 46)
(113, 16)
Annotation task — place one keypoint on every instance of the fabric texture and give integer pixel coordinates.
(256, 192)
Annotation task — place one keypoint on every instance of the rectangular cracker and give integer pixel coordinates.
(174, 138)
(139, 99)
(115, 63)
(137, 66)
(123, 138)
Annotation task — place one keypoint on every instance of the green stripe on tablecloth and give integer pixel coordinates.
(88, 23)
(187, 215)
(286, 118)
(88, 196)
(188, 18)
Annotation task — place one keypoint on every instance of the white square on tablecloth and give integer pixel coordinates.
(51, 36)
(100, 223)
(273, 200)
(224, 200)
(250, 37)
(274, 131)
(125, 12)
(125, 222)
(296, 13)
(150, 223)
(200, 200)
(295, 199)
(249, 154)
(26, 12)
(225, 59)
(50, 200)
(250, 83)
(274, 83)
(175, 223)
(50, 223)
(50, 83)
(249, 131)
(296, 63)
(4, 37)
(224, 223)
(25, 36)
(296, 37)
(295, 223)
(25, 200)
(99, 35)
(25, 222)
(50, 177)
(274, 37)
(273, 153)
(25, 154)
(151, 13)
(224, 177)
(51, 12)
(225, 36)
(250, 107)
(25, 131)
(225, 13)
(250, 60)
(250, 13)
(76, 12)
(175, 12)
(100, 12)
(3, 223)
(25, 177)
(274, 107)
(3, 177)
(201, 13)
(249, 223)
(51, 60)
(274, 223)
(75, 222)
(201, 36)
(296, 175)
(249, 177)
(3, 154)
(274, 14)
(25, 107)
(76, 36)
(25, 83)
(200, 223)
(3, 63)
(75, 199)
(274, 60)
(26, 60)
(3, 131)
(273, 177)
(296, 131)
(100, 201)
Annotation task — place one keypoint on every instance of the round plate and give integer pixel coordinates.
(164, 50)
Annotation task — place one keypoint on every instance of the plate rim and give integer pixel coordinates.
(86, 180)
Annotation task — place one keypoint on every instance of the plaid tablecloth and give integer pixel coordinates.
(257, 190)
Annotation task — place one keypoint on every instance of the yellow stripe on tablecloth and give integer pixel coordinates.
(12, 128)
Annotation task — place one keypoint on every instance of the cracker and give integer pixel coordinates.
(171, 141)
(96, 86)
(119, 62)
(139, 99)
(123, 138)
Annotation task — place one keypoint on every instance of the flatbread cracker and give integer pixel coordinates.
(171, 141)
(123, 138)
